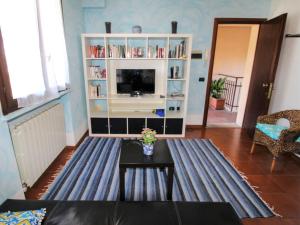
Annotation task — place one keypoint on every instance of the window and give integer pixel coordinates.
(33, 63)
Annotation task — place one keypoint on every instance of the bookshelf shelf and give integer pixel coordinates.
(176, 79)
(183, 59)
(99, 114)
(174, 114)
(175, 98)
(97, 98)
(89, 58)
(95, 79)
(103, 54)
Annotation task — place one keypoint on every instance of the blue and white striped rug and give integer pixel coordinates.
(202, 173)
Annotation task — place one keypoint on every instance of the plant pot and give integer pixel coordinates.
(148, 149)
(217, 104)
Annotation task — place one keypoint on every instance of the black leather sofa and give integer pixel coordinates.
(128, 213)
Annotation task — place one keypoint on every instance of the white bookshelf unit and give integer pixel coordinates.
(113, 114)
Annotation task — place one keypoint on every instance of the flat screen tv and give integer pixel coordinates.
(130, 80)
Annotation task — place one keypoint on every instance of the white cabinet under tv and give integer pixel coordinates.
(155, 67)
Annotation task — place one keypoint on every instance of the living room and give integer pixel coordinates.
(98, 72)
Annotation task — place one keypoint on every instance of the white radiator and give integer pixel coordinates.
(37, 142)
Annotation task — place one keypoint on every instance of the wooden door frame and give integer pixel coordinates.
(218, 21)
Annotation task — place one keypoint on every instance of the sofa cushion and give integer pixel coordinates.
(272, 130)
(30, 217)
(23, 205)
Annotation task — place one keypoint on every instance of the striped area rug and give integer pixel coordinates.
(202, 173)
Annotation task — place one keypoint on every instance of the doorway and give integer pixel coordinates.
(259, 70)
(232, 68)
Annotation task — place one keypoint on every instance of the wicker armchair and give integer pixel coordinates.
(284, 140)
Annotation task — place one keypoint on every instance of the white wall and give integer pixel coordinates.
(286, 94)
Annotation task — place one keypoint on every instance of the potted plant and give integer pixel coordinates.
(149, 139)
(216, 101)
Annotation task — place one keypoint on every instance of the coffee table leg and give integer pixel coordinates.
(122, 183)
(170, 183)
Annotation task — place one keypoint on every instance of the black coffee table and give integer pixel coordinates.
(132, 157)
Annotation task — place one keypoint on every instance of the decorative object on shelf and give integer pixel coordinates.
(136, 29)
(148, 141)
(171, 108)
(136, 93)
(176, 94)
(217, 87)
(159, 112)
(98, 108)
(108, 27)
(174, 27)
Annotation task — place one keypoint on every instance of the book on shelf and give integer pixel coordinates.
(95, 91)
(174, 72)
(96, 51)
(116, 51)
(156, 52)
(96, 72)
(178, 51)
(135, 52)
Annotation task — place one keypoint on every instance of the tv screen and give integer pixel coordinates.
(129, 80)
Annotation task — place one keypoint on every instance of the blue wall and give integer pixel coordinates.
(10, 183)
(193, 16)
(75, 105)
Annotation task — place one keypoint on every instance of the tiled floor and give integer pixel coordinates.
(220, 116)
(279, 189)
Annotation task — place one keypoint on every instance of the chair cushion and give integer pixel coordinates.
(271, 130)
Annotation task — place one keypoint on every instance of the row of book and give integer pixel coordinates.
(119, 51)
(96, 51)
(116, 51)
(174, 72)
(156, 52)
(135, 52)
(96, 72)
(178, 51)
(95, 91)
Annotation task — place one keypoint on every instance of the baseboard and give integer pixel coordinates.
(73, 137)
(194, 126)
(86, 133)
(194, 119)
(19, 195)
